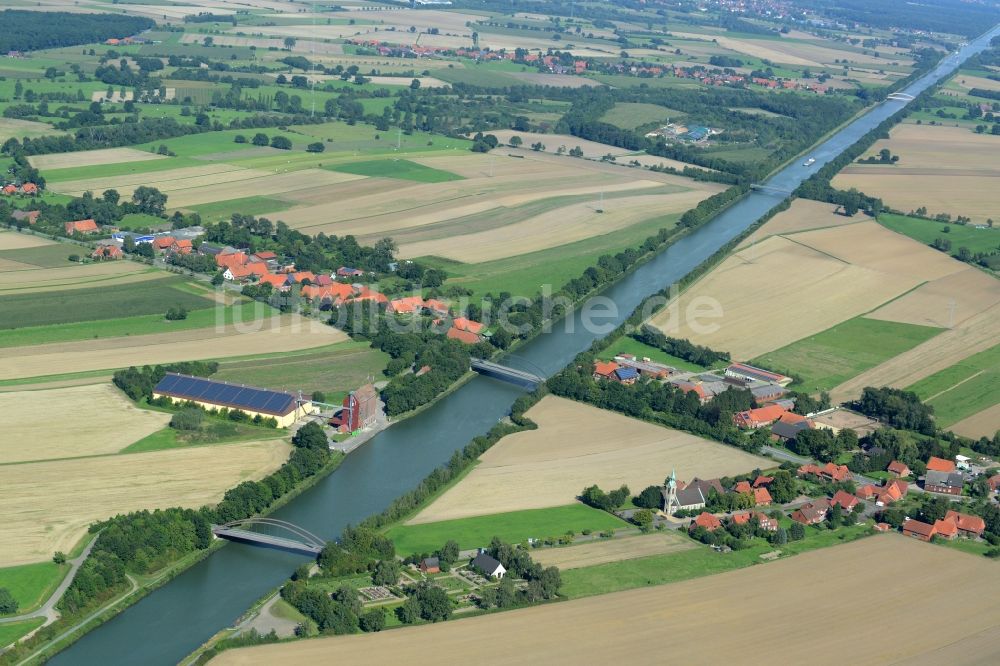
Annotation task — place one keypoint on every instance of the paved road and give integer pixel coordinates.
(48, 609)
(861, 479)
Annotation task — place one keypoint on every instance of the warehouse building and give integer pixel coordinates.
(211, 394)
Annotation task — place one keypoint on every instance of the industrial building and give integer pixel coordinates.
(361, 410)
(211, 394)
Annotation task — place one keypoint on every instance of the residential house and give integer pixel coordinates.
(347, 271)
(605, 369)
(762, 497)
(762, 481)
(789, 425)
(743, 487)
(299, 277)
(967, 525)
(228, 259)
(279, 282)
(759, 417)
(265, 256)
(29, 188)
(867, 492)
(407, 305)
(828, 472)
(162, 243)
(947, 483)
(87, 226)
(465, 324)
(689, 387)
(812, 513)
(940, 465)
(918, 530)
(846, 500)
(430, 565)
(106, 252)
(765, 521)
(30, 216)
(10, 189)
(181, 246)
(489, 566)
(706, 520)
(463, 336)
(366, 294)
(946, 529)
(627, 376)
(436, 306)
(897, 468)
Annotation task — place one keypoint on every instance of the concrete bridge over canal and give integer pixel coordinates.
(507, 373)
(270, 533)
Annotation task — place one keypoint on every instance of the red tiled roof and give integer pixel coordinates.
(741, 518)
(742, 487)
(762, 481)
(274, 280)
(708, 521)
(163, 242)
(29, 188)
(468, 325)
(605, 368)
(844, 499)
(265, 255)
(406, 305)
(759, 416)
(940, 465)
(965, 522)
(945, 528)
(762, 496)
(462, 336)
(231, 259)
(917, 527)
(867, 491)
(87, 226)
(897, 467)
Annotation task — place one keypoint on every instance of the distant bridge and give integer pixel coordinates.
(506, 373)
(900, 97)
(768, 189)
(297, 540)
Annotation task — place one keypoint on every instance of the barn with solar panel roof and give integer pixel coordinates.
(285, 407)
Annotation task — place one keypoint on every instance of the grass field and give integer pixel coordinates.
(512, 527)
(401, 169)
(963, 389)
(927, 231)
(49, 505)
(82, 428)
(49, 255)
(827, 359)
(31, 584)
(222, 210)
(575, 446)
(333, 370)
(962, 633)
(109, 302)
(88, 158)
(15, 630)
(212, 431)
(629, 345)
(629, 115)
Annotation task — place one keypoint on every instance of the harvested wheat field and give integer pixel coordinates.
(198, 175)
(803, 215)
(612, 550)
(575, 446)
(86, 158)
(973, 335)
(981, 424)
(945, 169)
(970, 82)
(946, 302)
(563, 225)
(71, 422)
(10, 240)
(762, 49)
(18, 129)
(277, 334)
(48, 506)
(708, 620)
(76, 276)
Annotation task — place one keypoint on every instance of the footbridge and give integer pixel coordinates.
(507, 373)
(270, 533)
(768, 189)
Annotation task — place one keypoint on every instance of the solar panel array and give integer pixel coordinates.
(233, 396)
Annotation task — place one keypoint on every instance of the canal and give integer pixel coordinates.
(174, 620)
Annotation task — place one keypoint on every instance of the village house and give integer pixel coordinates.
(490, 567)
(689, 387)
(706, 520)
(430, 565)
(812, 513)
(759, 417)
(789, 425)
(181, 246)
(466, 337)
(465, 324)
(765, 521)
(945, 529)
(107, 252)
(897, 468)
(87, 226)
(946, 483)
(347, 271)
(29, 188)
(971, 527)
(163, 243)
(610, 370)
(846, 500)
(935, 464)
(30, 216)
(762, 481)
(645, 366)
(828, 472)
(918, 530)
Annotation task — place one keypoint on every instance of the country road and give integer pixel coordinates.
(48, 609)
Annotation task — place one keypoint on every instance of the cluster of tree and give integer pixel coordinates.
(31, 31)
(597, 498)
(425, 601)
(447, 555)
(946, 16)
(138, 383)
(684, 349)
(336, 613)
(358, 550)
(822, 444)
(661, 403)
(725, 61)
(884, 156)
(897, 408)
(738, 537)
(543, 582)
(176, 313)
(884, 445)
(8, 604)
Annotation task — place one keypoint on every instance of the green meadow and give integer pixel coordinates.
(961, 390)
(31, 584)
(822, 361)
(927, 231)
(513, 527)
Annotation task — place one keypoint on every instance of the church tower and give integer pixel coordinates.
(670, 503)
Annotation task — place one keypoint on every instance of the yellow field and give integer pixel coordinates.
(552, 142)
(945, 169)
(783, 289)
(49, 505)
(575, 446)
(981, 424)
(612, 550)
(277, 334)
(86, 158)
(560, 226)
(946, 302)
(739, 616)
(802, 215)
(12, 127)
(10, 240)
(970, 82)
(71, 422)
